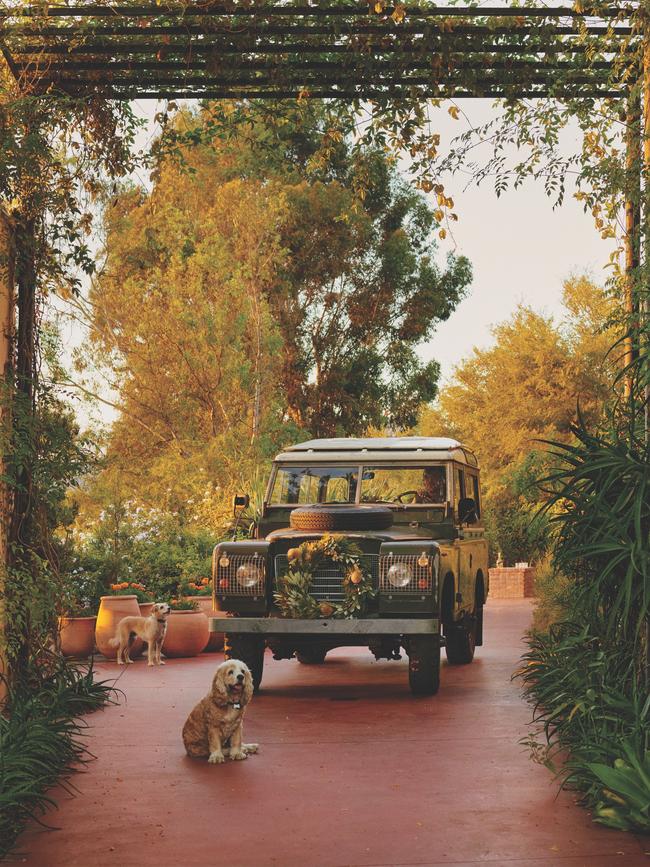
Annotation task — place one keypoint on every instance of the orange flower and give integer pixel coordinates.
(205, 581)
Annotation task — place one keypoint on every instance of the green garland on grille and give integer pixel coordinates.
(293, 596)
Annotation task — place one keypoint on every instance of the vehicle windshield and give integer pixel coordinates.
(405, 485)
(315, 485)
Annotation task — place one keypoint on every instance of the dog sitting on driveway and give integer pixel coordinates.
(151, 629)
(214, 728)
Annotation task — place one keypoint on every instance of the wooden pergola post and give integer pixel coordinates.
(6, 356)
(632, 231)
(644, 312)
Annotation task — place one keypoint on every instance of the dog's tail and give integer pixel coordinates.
(114, 642)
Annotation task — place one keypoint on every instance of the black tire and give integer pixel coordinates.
(312, 656)
(248, 650)
(424, 665)
(460, 641)
(341, 517)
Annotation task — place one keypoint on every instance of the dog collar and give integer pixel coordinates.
(235, 704)
(162, 621)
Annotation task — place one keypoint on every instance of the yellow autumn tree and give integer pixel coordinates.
(527, 387)
(181, 322)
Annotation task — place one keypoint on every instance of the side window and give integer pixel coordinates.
(459, 487)
(475, 495)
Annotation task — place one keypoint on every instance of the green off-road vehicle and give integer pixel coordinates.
(374, 542)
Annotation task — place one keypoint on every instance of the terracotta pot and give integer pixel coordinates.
(187, 633)
(145, 608)
(215, 641)
(77, 636)
(111, 610)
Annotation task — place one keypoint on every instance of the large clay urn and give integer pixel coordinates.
(215, 641)
(146, 608)
(77, 636)
(111, 610)
(187, 633)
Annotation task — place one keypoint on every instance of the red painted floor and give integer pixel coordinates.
(352, 771)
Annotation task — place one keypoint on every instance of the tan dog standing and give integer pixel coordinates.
(214, 728)
(151, 629)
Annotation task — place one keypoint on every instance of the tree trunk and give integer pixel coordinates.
(20, 536)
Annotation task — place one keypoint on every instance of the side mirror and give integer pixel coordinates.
(241, 501)
(467, 511)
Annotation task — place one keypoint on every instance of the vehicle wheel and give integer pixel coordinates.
(341, 517)
(424, 665)
(460, 641)
(248, 650)
(312, 656)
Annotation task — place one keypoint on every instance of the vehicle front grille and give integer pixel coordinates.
(326, 583)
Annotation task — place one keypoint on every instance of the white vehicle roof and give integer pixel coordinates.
(369, 450)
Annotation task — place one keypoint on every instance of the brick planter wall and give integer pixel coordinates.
(512, 582)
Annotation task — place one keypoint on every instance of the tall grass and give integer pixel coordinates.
(41, 740)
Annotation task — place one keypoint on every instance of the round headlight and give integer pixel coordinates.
(249, 575)
(400, 575)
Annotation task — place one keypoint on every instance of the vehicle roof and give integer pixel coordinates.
(385, 449)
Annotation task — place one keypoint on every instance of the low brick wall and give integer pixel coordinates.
(512, 582)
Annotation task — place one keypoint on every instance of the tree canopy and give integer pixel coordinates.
(252, 294)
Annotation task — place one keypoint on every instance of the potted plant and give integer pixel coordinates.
(124, 601)
(187, 629)
(77, 631)
(78, 614)
(200, 591)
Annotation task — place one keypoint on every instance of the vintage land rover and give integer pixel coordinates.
(375, 542)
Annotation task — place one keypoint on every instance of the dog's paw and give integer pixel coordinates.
(250, 748)
(161, 662)
(238, 755)
(216, 758)
(119, 662)
(129, 662)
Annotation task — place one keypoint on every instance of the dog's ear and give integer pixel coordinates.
(219, 689)
(248, 685)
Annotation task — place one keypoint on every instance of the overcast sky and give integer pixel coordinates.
(521, 250)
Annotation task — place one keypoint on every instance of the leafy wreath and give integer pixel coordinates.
(293, 597)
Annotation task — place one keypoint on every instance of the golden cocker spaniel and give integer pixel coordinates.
(214, 728)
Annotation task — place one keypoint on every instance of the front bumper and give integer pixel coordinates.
(295, 626)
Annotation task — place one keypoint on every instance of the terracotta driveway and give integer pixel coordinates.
(352, 771)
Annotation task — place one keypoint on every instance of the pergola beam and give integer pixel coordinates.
(187, 51)
(91, 10)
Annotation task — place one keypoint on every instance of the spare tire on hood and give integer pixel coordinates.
(341, 517)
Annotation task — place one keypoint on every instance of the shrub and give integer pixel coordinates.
(184, 605)
(200, 587)
(41, 739)
(587, 706)
(133, 588)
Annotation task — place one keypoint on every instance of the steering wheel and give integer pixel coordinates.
(398, 498)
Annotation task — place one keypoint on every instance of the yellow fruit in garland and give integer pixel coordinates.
(356, 575)
(293, 554)
(326, 609)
